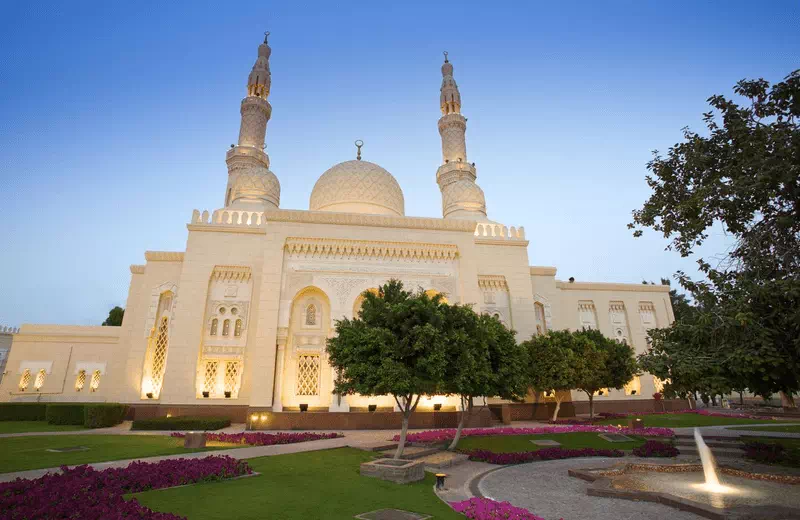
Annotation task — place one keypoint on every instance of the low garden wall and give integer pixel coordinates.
(630, 405)
(266, 420)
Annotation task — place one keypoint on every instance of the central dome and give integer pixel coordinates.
(358, 187)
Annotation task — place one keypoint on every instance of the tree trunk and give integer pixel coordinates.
(466, 411)
(787, 400)
(591, 405)
(558, 407)
(741, 398)
(407, 410)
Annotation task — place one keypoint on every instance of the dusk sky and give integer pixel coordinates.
(115, 118)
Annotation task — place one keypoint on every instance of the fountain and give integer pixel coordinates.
(711, 484)
(697, 487)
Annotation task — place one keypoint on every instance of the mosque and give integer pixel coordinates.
(236, 323)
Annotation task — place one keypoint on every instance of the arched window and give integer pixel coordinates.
(237, 329)
(541, 322)
(80, 380)
(95, 382)
(40, 377)
(156, 355)
(25, 380)
(214, 324)
(311, 314)
(226, 327)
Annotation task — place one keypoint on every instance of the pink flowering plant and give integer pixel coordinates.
(480, 508)
(656, 449)
(266, 439)
(555, 453)
(434, 436)
(83, 492)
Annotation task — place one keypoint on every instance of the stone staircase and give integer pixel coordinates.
(721, 447)
(434, 457)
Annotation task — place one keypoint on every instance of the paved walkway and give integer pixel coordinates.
(728, 431)
(545, 489)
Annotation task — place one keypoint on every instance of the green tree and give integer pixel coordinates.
(114, 317)
(397, 346)
(484, 360)
(601, 362)
(743, 175)
(552, 364)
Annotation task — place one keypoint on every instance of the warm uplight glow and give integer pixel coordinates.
(253, 417)
(263, 417)
(716, 488)
(169, 415)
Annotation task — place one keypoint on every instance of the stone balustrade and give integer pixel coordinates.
(9, 330)
(499, 231)
(229, 217)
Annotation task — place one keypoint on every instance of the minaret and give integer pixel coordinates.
(461, 197)
(251, 185)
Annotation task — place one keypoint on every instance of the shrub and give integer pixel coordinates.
(82, 492)
(103, 415)
(65, 413)
(766, 452)
(266, 439)
(656, 449)
(521, 457)
(181, 423)
(446, 434)
(487, 509)
(23, 411)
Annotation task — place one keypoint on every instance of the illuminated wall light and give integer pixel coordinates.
(254, 418)
(263, 418)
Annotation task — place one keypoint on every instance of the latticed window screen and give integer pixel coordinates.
(308, 375)
(226, 327)
(311, 315)
(237, 330)
(25, 380)
(210, 378)
(94, 384)
(231, 376)
(80, 380)
(39, 379)
(214, 325)
(160, 355)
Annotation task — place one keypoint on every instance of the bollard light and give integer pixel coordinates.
(440, 480)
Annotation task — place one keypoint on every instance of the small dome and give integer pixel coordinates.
(256, 188)
(358, 187)
(463, 199)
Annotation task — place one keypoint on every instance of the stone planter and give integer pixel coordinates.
(393, 470)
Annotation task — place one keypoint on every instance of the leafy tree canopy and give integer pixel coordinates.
(114, 317)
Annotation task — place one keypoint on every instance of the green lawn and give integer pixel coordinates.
(35, 426)
(515, 443)
(30, 452)
(318, 484)
(685, 420)
(794, 428)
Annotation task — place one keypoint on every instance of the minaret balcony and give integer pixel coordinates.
(453, 171)
(251, 152)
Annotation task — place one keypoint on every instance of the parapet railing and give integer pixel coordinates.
(227, 217)
(499, 231)
(9, 330)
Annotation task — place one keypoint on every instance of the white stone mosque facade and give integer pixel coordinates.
(236, 323)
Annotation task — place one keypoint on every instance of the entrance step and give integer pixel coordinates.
(412, 452)
(680, 443)
(718, 452)
(443, 460)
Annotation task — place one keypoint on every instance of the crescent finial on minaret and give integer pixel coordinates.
(359, 143)
(266, 35)
(445, 57)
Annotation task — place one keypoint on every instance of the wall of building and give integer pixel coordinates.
(6, 338)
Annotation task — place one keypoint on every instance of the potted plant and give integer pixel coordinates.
(304, 407)
(206, 393)
(437, 406)
(227, 394)
(372, 407)
(149, 395)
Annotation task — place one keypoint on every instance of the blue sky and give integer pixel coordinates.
(115, 118)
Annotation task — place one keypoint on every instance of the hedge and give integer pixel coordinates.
(102, 415)
(23, 411)
(181, 423)
(65, 413)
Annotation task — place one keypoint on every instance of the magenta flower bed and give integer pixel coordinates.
(656, 449)
(447, 434)
(556, 453)
(82, 492)
(488, 509)
(266, 439)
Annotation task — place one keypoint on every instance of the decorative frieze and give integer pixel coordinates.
(619, 321)
(587, 314)
(492, 282)
(231, 273)
(370, 250)
(137, 269)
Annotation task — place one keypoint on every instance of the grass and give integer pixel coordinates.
(318, 484)
(516, 443)
(36, 426)
(685, 420)
(30, 452)
(791, 428)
